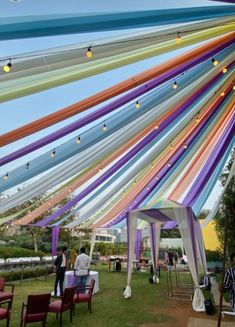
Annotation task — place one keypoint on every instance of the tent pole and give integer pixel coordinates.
(223, 267)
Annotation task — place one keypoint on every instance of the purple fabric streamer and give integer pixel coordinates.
(138, 244)
(55, 237)
(108, 108)
(152, 185)
(170, 225)
(212, 162)
(138, 147)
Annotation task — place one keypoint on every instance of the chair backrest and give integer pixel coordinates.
(92, 284)
(68, 295)
(2, 282)
(38, 303)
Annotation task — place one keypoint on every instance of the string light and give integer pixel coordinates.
(178, 38)
(156, 127)
(6, 177)
(225, 70)
(89, 52)
(7, 68)
(185, 146)
(137, 105)
(214, 61)
(233, 87)
(52, 154)
(171, 146)
(78, 141)
(104, 128)
(169, 164)
(222, 94)
(197, 118)
(174, 86)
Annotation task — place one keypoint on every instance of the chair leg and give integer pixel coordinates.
(71, 314)
(61, 319)
(90, 306)
(21, 323)
(8, 321)
(57, 316)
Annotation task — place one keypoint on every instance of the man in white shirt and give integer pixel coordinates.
(82, 269)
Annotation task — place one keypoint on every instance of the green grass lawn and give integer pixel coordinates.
(109, 307)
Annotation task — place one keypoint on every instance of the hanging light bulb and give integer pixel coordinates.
(52, 154)
(214, 61)
(225, 70)
(7, 68)
(104, 128)
(5, 177)
(78, 141)
(197, 118)
(174, 86)
(137, 105)
(89, 52)
(178, 38)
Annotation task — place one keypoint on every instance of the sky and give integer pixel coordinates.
(16, 113)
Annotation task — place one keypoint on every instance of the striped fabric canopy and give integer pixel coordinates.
(165, 133)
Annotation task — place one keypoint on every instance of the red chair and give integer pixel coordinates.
(64, 304)
(3, 294)
(36, 309)
(84, 297)
(5, 313)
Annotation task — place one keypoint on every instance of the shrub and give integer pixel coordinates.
(29, 273)
(213, 255)
(15, 252)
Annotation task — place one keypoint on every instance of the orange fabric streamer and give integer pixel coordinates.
(113, 91)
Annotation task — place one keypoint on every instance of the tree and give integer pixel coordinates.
(227, 210)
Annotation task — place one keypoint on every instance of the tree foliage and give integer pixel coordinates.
(227, 211)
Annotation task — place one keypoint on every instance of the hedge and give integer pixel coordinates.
(28, 273)
(17, 252)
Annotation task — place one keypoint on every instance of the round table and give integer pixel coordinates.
(70, 280)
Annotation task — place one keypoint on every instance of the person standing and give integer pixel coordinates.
(170, 258)
(229, 281)
(60, 267)
(82, 269)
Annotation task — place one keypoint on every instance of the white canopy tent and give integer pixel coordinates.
(169, 213)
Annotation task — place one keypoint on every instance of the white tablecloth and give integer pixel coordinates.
(70, 280)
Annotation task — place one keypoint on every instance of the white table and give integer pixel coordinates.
(70, 280)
